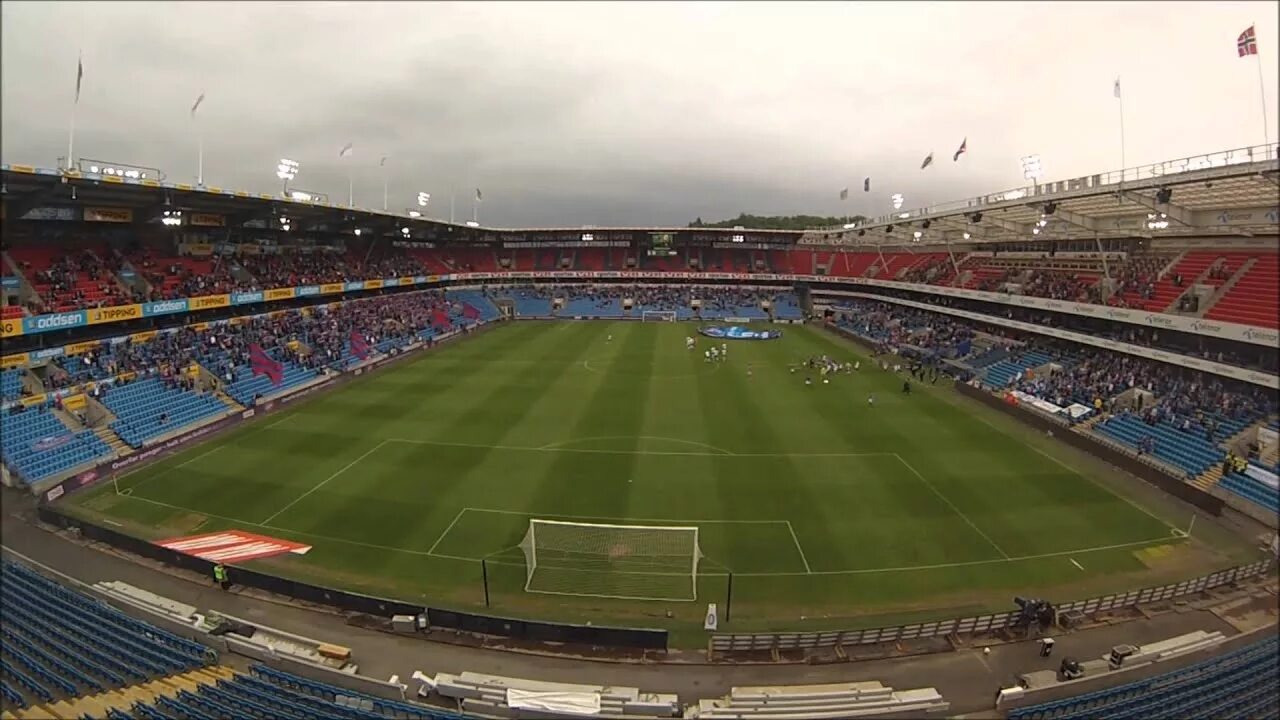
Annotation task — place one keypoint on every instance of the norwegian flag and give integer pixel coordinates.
(359, 347)
(964, 145)
(1247, 43)
(470, 312)
(440, 319)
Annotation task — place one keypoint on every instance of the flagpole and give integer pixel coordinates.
(71, 138)
(200, 165)
(451, 194)
(1123, 165)
(1262, 91)
(384, 190)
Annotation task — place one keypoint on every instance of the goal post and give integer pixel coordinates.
(628, 562)
(658, 315)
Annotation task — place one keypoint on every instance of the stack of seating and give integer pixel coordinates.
(835, 700)
(787, 307)
(1240, 684)
(1191, 452)
(531, 303)
(1001, 373)
(11, 383)
(138, 406)
(1252, 489)
(9, 312)
(476, 299)
(37, 445)
(1255, 297)
(270, 693)
(60, 644)
(486, 695)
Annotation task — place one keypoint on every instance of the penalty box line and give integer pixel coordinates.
(699, 521)
(862, 571)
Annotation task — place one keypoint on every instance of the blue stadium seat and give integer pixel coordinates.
(38, 445)
(138, 405)
(1237, 684)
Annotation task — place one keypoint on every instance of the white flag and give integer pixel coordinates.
(1117, 90)
(345, 151)
(197, 104)
(383, 161)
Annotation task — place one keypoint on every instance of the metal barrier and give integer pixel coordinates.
(980, 623)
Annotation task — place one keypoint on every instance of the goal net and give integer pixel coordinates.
(658, 315)
(629, 562)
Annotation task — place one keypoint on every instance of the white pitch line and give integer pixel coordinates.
(322, 483)
(166, 471)
(863, 571)
(1072, 470)
(799, 549)
(549, 515)
(1078, 565)
(561, 444)
(282, 420)
(952, 506)
(590, 451)
(456, 518)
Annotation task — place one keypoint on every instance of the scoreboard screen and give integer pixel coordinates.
(662, 244)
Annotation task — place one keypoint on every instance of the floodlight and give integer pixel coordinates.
(967, 236)
(739, 238)
(1031, 168)
(850, 226)
(917, 235)
(301, 196)
(287, 169)
(472, 223)
(897, 200)
(588, 237)
(357, 231)
(415, 214)
(423, 198)
(904, 216)
(404, 231)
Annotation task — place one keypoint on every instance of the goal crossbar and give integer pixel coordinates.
(667, 315)
(634, 562)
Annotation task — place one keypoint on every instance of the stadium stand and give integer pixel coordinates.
(1240, 684)
(1254, 297)
(156, 406)
(38, 445)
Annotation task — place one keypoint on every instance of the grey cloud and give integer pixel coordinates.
(614, 113)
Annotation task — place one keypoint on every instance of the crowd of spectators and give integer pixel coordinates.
(1186, 398)
(312, 339)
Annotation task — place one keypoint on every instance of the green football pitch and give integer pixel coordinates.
(826, 511)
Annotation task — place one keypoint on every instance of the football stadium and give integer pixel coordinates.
(270, 454)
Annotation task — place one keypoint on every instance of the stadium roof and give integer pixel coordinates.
(1228, 193)
(1233, 192)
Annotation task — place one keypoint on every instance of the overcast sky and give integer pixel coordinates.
(612, 114)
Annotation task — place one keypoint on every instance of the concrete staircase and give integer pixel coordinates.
(124, 698)
(228, 401)
(1209, 478)
(113, 441)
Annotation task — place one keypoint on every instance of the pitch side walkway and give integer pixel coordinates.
(967, 678)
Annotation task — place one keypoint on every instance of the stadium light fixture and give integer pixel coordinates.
(357, 232)
(472, 223)
(897, 200)
(850, 226)
(1031, 168)
(967, 236)
(287, 169)
(301, 196)
(415, 214)
(423, 199)
(1035, 231)
(917, 235)
(404, 231)
(172, 218)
